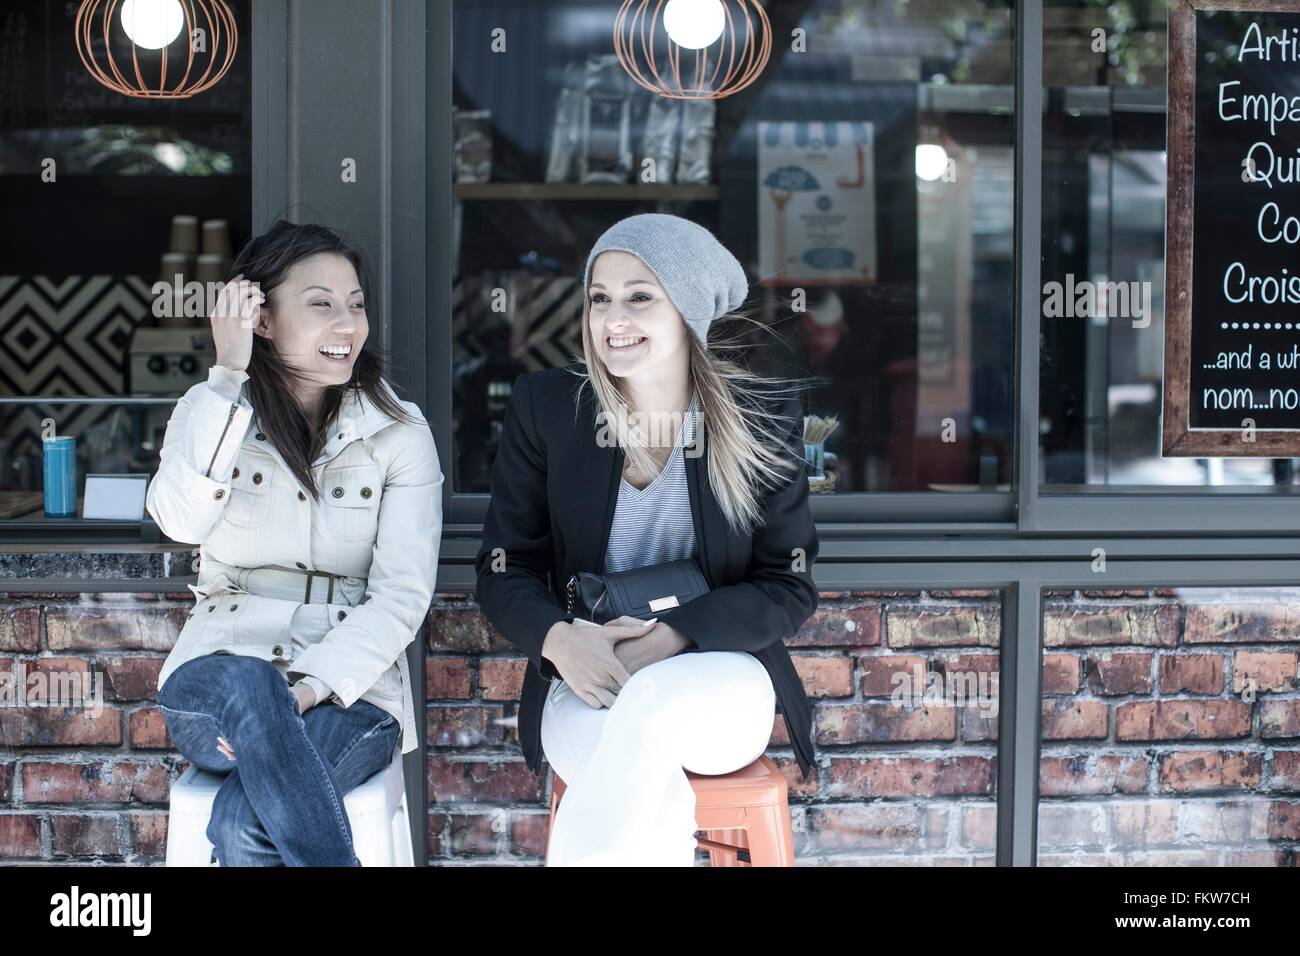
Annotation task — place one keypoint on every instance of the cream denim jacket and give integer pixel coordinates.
(221, 485)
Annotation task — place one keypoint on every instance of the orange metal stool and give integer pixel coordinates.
(744, 816)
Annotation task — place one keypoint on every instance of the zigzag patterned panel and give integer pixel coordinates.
(65, 336)
(548, 307)
(68, 336)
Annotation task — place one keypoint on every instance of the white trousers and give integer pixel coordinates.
(628, 801)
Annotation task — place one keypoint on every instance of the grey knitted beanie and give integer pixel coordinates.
(702, 279)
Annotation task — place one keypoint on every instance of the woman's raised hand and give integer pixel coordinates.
(233, 319)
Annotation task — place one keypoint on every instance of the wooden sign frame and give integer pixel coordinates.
(1179, 438)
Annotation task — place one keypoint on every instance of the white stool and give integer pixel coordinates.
(376, 810)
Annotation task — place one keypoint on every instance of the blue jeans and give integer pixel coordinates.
(282, 800)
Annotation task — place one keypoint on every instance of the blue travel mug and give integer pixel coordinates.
(60, 477)
(814, 455)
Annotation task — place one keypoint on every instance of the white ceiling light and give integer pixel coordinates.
(931, 161)
(694, 24)
(152, 24)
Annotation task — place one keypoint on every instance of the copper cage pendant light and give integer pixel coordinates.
(153, 29)
(725, 43)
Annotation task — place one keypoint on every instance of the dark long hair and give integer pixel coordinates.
(272, 383)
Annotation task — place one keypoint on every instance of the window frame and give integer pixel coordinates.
(1030, 508)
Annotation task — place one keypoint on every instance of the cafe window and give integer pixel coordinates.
(864, 180)
(106, 195)
(1105, 178)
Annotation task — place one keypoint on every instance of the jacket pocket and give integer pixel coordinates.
(352, 494)
(250, 490)
(261, 626)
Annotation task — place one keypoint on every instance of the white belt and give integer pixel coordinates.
(307, 587)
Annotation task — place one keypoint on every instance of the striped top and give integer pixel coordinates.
(654, 524)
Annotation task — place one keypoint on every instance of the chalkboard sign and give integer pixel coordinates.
(1232, 239)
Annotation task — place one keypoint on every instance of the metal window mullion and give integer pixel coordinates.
(1028, 251)
(270, 111)
(1021, 640)
(1019, 715)
(405, 198)
(438, 347)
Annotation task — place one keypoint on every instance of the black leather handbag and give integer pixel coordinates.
(637, 592)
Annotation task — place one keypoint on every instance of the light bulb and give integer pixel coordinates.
(152, 24)
(694, 24)
(931, 161)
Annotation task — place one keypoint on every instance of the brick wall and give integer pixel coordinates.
(1171, 728)
(76, 786)
(1171, 731)
(894, 785)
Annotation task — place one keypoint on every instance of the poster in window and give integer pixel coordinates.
(816, 204)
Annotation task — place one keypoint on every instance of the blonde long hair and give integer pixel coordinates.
(744, 458)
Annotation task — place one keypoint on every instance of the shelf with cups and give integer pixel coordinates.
(87, 483)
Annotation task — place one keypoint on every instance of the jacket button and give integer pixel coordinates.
(337, 492)
(261, 437)
(301, 496)
(235, 473)
(342, 615)
(366, 492)
(219, 493)
(234, 607)
(211, 608)
(257, 477)
(301, 566)
(278, 651)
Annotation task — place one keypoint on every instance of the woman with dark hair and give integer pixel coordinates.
(315, 496)
(622, 710)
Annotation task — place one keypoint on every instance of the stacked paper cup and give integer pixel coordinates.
(193, 255)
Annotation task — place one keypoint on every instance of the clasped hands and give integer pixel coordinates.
(598, 661)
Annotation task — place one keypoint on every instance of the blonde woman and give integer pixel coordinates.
(588, 478)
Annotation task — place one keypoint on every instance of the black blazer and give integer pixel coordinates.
(554, 490)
